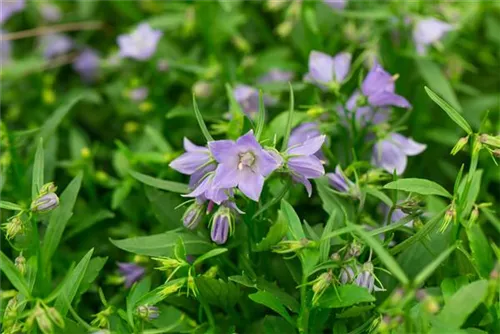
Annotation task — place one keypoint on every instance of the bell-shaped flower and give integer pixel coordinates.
(341, 183)
(391, 152)
(87, 64)
(304, 132)
(302, 162)
(131, 272)
(55, 45)
(243, 164)
(327, 71)
(248, 98)
(378, 88)
(141, 43)
(276, 75)
(429, 31)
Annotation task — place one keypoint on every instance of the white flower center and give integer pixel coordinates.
(247, 159)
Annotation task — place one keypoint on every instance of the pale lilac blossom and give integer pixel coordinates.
(131, 272)
(50, 12)
(5, 49)
(243, 164)
(302, 162)
(362, 276)
(138, 94)
(429, 31)
(9, 8)
(340, 182)
(87, 64)
(248, 98)
(55, 45)
(276, 75)
(304, 132)
(378, 88)
(326, 71)
(141, 43)
(336, 4)
(391, 152)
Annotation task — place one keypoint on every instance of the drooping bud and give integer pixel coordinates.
(354, 250)
(474, 215)
(193, 215)
(222, 225)
(493, 141)
(459, 145)
(55, 316)
(20, 263)
(45, 203)
(13, 227)
(496, 152)
(148, 312)
(168, 263)
(43, 320)
(292, 246)
(320, 285)
(449, 216)
(47, 188)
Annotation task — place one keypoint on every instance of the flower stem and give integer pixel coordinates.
(303, 320)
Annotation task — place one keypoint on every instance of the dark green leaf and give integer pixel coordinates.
(10, 206)
(261, 118)
(429, 270)
(13, 275)
(289, 121)
(172, 186)
(37, 181)
(218, 292)
(209, 254)
(270, 301)
(164, 206)
(275, 234)
(345, 296)
(295, 230)
(418, 186)
(481, 250)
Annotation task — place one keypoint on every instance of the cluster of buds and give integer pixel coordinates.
(320, 284)
(10, 315)
(14, 226)
(102, 318)
(412, 206)
(20, 263)
(491, 142)
(294, 246)
(46, 200)
(170, 265)
(46, 317)
(148, 312)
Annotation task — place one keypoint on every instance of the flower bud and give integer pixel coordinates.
(291, 246)
(191, 286)
(13, 227)
(20, 263)
(474, 215)
(168, 263)
(47, 188)
(203, 89)
(55, 316)
(241, 44)
(496, 152)
(284, 28)
(397, 296)
(449, 216)
(460, 145)
(43, 320)
(493, 141)
(148, 312)
(431, 305)
(495, 273)
(320, 285)
(353, 251)
(193, 215)
(222, 225)
(172, 287)
(45, 203)
(211, 272)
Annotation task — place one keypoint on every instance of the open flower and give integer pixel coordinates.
(429, 31)
(141, 43)
(193, 160)
(55, 45)
(378, 87)
(87, 64)
(276, 75)
(302, 162)
(243, 164)
(325, 70)
(304, 132)
(363, 115)
(341, 183)
(10, 8)
(391, 153)
(131, 272)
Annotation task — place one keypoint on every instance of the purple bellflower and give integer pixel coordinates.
(248, 98)
(141, 43)
(391, 153)
(378, 87)
(148, 312)
(5, 49)
(222, 225)
(429, 31)
(55, 45)
(327, 71)
(194, 214)
(50, 12)
(196, 162)
(131, 272)
(276, 75)
(336, 4)
(138, 94)
(243, 164)
(87, 65)
(364, 115)
(341, 183)
(9, 8)
(302, 162)
(304, 132)
(363, 277)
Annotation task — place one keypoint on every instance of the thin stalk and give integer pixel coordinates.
(90, 25)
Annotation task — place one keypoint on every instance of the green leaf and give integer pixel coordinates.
(295, 230)
(13, 275)
(481, 250)
(57, 116)
(275, 234)
(289, 122)
(270, 301)
(383, 255)
(326, 243)
(431, 267)
(87, 221)
(209, 254)
(276, 130)
(37, 181)
(237, 122)
(10, 206)
(172, 186)
(218, 292)
(171, 320)
(164, 244)
(451, 285)
(165, 207)
(136, 292)
(452, 113)
(345, 296)
(437, 81)
(94, 268)
(378, 194)
(201, 122)
(273, 325)
(458, 308)
(157, 139)
(71, 286)
(60, 217)
(418, 186)
(261, 118)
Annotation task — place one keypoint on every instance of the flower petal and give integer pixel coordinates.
(189, 162)
(341, 66)
(376, 81)
(383, 99)
(248, 142)
(224, 151)
(389, 156)
(190, 147)
(267, 162)
(307, 166)
(226, 176)
(309, 147)
(305, 182)
(251, 184)
(320, 67)
(407, 145)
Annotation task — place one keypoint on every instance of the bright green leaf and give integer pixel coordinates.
(172, 186)
(418, 186)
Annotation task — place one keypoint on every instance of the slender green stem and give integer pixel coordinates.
(208, 312)
(304, 311)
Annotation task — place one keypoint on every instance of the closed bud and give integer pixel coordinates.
(13, 227)
(203, 89)
(495, 273)
(316, 111)
(47, 188)
(335, 257)
(191, 286)
(493, 141)
(172, 287)
(193, 215)
(460, 145)
(449, 216)
(322, 282)
(43, 321)
(45, 203)
(284, 29)
(431, 305)
(131, 127)
(101, 176)
(148, 312)
(20, 263)
(168, 263)
(496, 153)
(241, 44)
(291, 246)
(56, 317)
(211, 272)
(353, 251)
(222, 225)
(477, 146)
(474, 215)
(397, 296)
